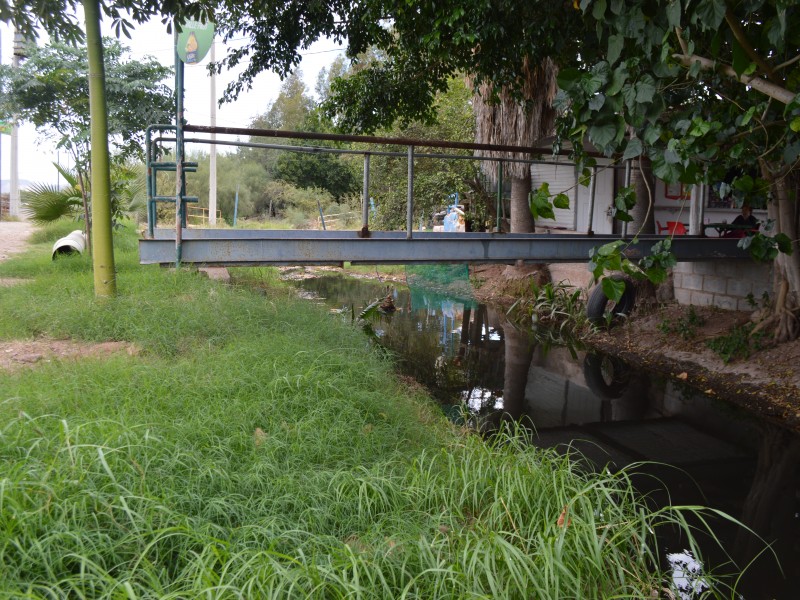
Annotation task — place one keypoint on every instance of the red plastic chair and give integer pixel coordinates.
(676, 228)
(672, 228)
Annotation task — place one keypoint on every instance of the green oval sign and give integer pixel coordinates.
(195, 41)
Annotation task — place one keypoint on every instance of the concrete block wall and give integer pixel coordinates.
(723, 283)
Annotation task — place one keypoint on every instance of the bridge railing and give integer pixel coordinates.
(407, 148)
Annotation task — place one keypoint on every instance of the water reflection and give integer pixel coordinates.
(699, 450)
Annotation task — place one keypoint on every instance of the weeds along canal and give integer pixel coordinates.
(684, 448)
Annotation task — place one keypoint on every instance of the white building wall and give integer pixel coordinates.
(561, 178)
(603, 203)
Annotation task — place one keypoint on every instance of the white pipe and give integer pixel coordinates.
(70, 244)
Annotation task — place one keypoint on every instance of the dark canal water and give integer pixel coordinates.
(696, 450)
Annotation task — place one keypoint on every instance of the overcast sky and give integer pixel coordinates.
(36, 155)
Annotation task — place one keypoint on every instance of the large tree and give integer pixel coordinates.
(435, 180)
(504, 46)
(295, 110)
(700, 89)
(707, 91)
(50, 89)
(57, 17)
(506, 119)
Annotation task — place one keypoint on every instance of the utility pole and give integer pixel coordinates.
(14, 203)
(212, 176)
(1, 146)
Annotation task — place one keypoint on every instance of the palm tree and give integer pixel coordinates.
(44, 203)
(507, 119)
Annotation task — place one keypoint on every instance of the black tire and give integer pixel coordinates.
(606, 376)
(598, 304)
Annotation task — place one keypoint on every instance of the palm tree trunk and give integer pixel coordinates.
(521, 217)
(105, 282)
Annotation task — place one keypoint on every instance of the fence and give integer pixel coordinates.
(330, 221)
(198, 215)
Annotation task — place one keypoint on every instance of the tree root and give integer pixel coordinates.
(782, 319)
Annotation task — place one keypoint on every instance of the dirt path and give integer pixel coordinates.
(13, 237)
(16, 354)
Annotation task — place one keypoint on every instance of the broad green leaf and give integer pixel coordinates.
(784, 243)
(749, 115)
(567, 78)
(633, 149)
(674, 13)
(709, 14)
(629, 95)
(618, 79)
(645, 89)
(656, 274)
(795, 124)
(615, 44)
(791, 153)
(601, 135)
(716, 44)
(597, 101)
(561, 201)
(664, 170)
(599, 9)
(539, 203)
(613, 288)
(744, 184)
(699, 128)
(740, 59)
(652, 134)
(610, 248)
(598, 78)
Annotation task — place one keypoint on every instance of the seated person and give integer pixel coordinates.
(746, 218)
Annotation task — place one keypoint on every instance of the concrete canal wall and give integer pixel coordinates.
(723, 283)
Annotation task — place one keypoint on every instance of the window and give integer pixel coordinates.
(676, 191)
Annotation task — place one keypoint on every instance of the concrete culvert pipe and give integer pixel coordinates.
(70, 244)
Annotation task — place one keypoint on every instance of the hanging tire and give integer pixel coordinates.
(606, 376)
(598, 304)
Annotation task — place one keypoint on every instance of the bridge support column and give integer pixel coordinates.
(592, 187)
(410, 202)
(365, 199)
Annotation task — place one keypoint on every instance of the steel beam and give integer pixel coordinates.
(280, 247)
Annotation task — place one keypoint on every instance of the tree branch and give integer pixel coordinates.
(789, 62)
(681, 41)
(741, 37)
(759, 84)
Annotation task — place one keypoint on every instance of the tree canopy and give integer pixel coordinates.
(50, 89)
(424, 44)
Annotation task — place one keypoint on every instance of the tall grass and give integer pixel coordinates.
(257, 448)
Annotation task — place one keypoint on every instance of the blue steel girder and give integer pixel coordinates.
(283, 247)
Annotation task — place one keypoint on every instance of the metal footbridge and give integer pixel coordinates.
(247, 247)
(283, 247)
(227, 247)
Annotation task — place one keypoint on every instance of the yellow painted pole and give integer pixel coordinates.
(105, 279)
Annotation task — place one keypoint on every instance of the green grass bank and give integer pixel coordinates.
(255, 447)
